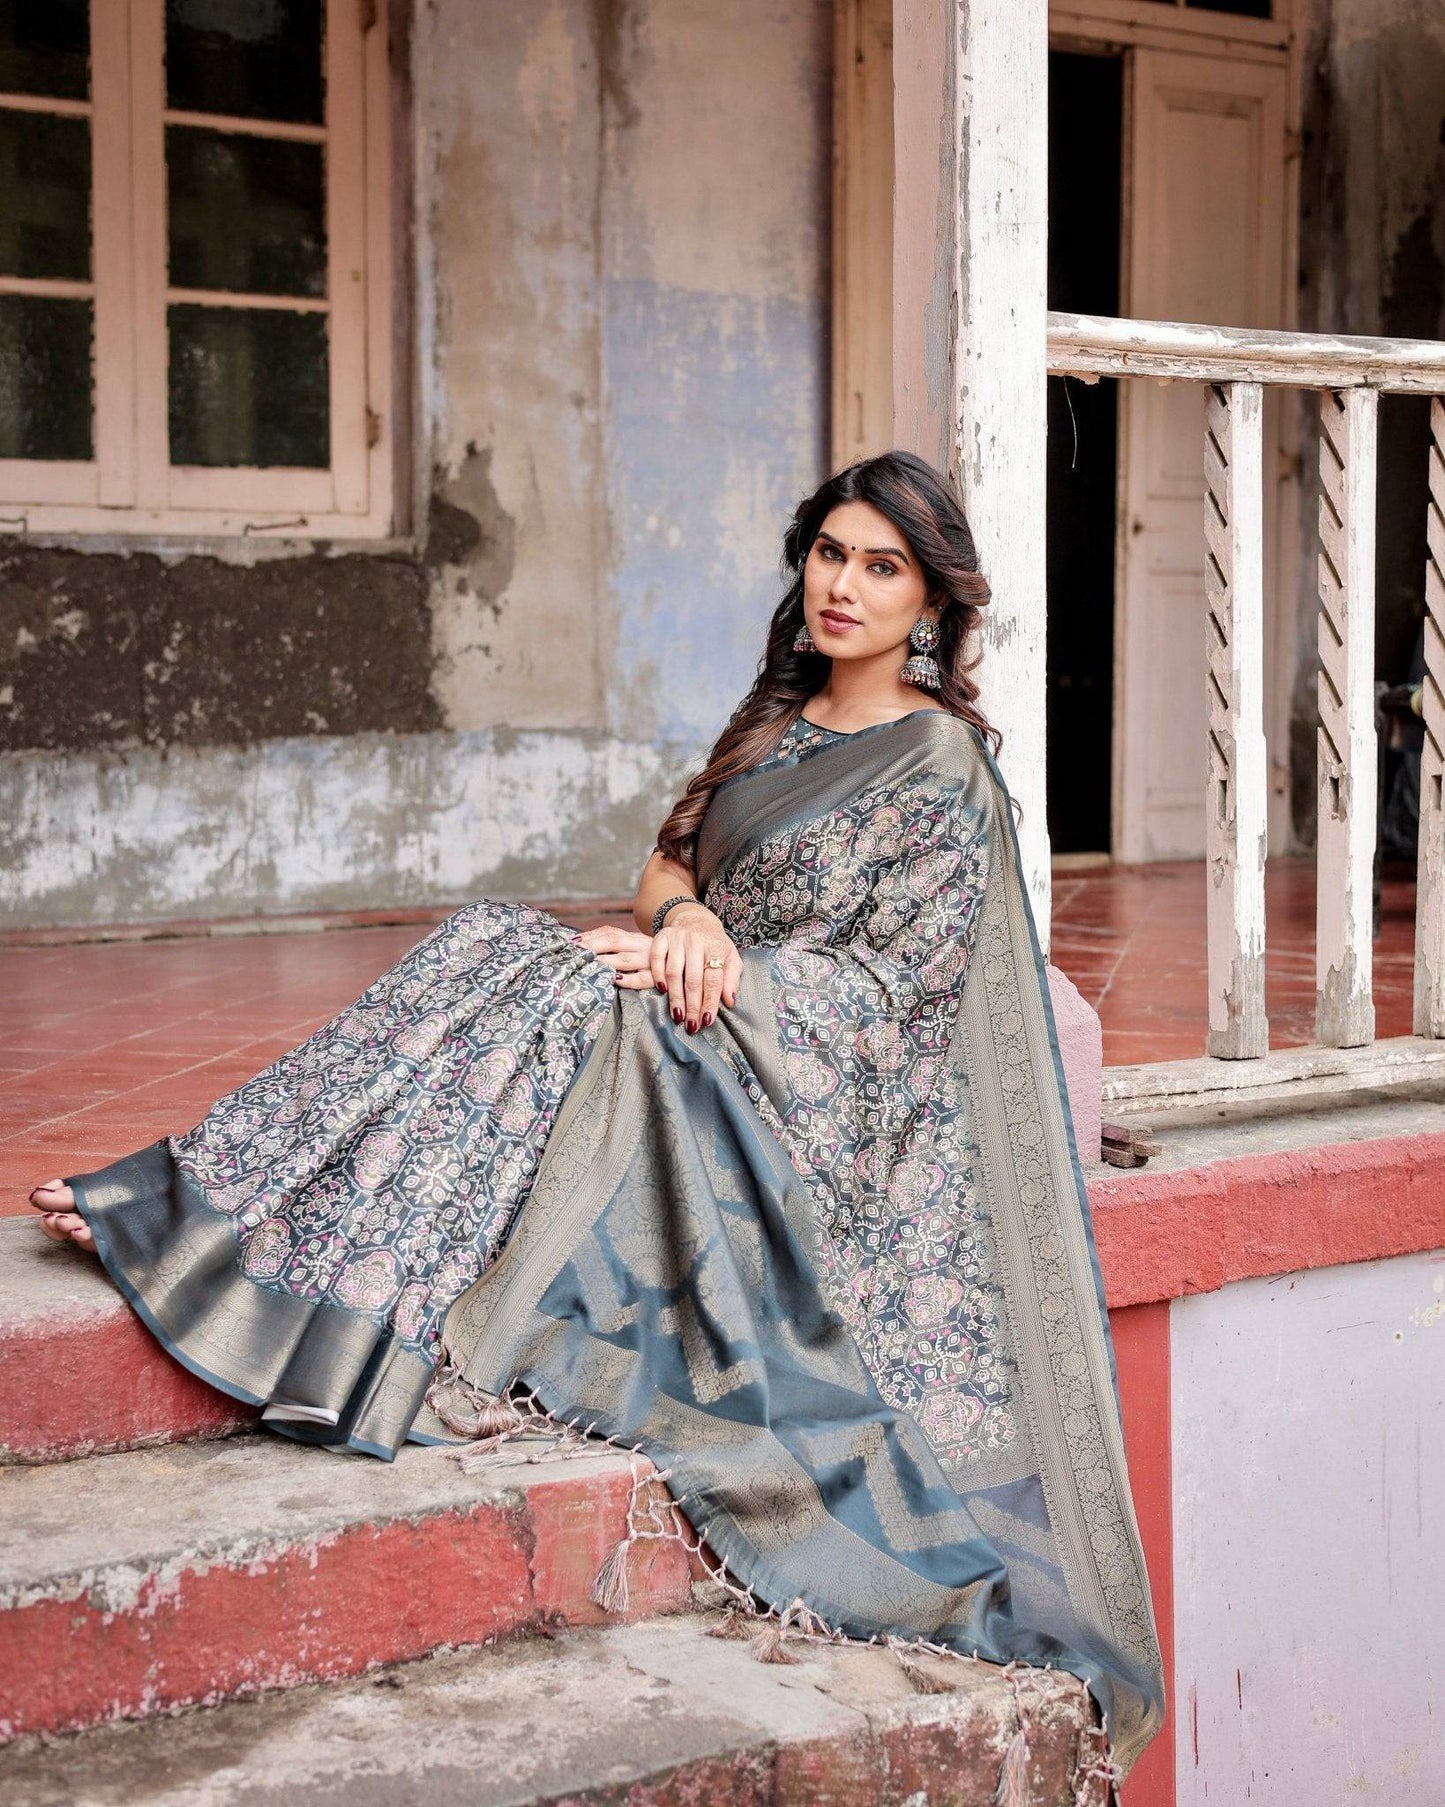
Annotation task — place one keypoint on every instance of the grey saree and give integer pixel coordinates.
(828, 1262)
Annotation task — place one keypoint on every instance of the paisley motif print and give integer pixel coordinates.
(868, 916)
(380, 1165)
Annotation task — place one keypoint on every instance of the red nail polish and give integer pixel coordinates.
(691, 1027)
(707, 1020)
(677, 1016)
(662, 988)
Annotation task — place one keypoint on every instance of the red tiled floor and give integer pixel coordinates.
(1132, 939)
(108, 1045)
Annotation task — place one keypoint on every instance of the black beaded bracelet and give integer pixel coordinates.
(671, 904)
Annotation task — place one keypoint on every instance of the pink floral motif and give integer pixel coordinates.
(411, 1311)
(950, 1418)
(931, 1298)
(378, 1157)
(267, 1249)
(812, 1080)
(486, 1077)
(370, 1282)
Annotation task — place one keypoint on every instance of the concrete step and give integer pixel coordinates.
(655, 1714)
(137, 1582)
(79, 1372)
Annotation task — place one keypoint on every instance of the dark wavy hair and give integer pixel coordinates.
(930, 517)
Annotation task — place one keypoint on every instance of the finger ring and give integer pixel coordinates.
(714, 962)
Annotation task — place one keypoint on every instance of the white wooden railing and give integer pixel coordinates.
(1351, 373)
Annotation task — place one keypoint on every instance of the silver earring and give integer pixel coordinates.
(921, 668)
(804, 642)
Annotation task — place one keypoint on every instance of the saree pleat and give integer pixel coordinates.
(829, 1262)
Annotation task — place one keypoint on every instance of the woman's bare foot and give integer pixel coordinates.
(60, 1221)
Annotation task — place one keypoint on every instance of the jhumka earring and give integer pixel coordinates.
(804, 642)
(921, 668)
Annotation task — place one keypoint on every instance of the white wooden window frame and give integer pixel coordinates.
(130, 487)
(1128, 22)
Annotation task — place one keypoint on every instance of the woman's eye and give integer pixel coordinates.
(830, 551)
(882, 569)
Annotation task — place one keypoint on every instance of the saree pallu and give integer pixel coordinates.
(829, 1262)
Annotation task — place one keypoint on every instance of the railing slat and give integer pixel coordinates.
(1430, 870)
(1346, 768)
(1234, 625)
(1094, 345)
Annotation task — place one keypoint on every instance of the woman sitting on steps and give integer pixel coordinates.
(780, 1188)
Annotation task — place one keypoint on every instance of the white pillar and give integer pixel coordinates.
(970, 150)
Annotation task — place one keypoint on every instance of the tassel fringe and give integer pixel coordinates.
(1013, 1781)
(610, 1590)
(921, 1678)
(489, 1421)
(768, 1646)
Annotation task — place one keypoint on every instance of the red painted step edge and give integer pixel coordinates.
(331, 1606)
(77, 1388)
(1164, 1235)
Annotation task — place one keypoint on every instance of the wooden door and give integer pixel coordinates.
(1204, 240)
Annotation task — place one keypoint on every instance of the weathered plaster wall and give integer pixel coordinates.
(1372, 257)
(512, 173)
(714, 296)
(328, 821)
(619, 352)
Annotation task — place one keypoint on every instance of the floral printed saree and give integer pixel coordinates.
(828, 1262)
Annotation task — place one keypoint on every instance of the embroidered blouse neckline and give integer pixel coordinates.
(848, 733)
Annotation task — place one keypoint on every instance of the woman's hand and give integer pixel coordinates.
(626, 951)
(694, 960)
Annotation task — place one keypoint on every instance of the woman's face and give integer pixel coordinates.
(863, 587)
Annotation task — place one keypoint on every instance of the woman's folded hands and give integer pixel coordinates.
(692, 958)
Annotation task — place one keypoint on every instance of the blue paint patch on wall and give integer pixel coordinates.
(716, 416)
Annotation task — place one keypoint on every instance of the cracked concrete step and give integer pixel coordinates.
(79, 1373)
(132, 1583)
(656, 1714)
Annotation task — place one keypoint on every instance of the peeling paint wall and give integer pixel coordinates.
(619, 341)
(1372, 260)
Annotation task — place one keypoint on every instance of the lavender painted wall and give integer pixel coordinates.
(1309, 1501)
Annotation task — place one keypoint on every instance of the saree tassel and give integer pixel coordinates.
(610, 1590)
(1013, 1780)
(735, 1625)
(1096, 1776)
(768, 1646)
(921, 1678)
(468, 1412)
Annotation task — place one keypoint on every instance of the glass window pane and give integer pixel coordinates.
(253, 59)
(45, 407)
(246, 214)
(1251, 9)
(249, 386)
(45, 48)
(44, 195)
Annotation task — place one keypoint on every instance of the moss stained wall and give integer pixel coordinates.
(619, 344)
